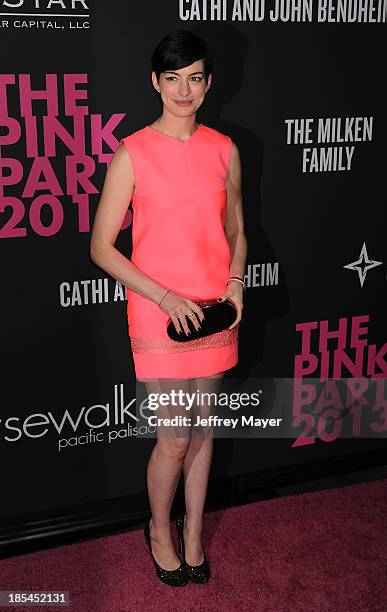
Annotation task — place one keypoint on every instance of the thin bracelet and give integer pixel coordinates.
(164, 296)
(239, 280)
(236, 277)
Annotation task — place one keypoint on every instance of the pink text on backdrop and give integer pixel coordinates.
(340, 356)
(62, 146)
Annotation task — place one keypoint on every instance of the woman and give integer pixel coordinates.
(188, 245)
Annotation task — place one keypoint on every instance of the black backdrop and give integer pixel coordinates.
(64, 329)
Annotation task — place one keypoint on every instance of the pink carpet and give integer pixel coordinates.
(318, 551)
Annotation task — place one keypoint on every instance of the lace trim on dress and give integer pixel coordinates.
(150, 345)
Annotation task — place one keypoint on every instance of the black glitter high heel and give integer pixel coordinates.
(197, 573)
(177, 577)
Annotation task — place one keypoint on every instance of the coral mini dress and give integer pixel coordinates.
(179, 211)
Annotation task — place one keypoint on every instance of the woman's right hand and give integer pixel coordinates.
(178, 308)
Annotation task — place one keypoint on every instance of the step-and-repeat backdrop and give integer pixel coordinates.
(300, 88)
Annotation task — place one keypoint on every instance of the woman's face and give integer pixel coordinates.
(182, 91)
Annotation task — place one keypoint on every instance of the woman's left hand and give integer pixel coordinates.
(234, 292)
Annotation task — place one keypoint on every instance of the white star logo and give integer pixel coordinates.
(363, 264)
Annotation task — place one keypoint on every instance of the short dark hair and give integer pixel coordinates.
(179, 49)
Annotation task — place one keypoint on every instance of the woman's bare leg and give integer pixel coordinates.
(196, 467)
(163, 471)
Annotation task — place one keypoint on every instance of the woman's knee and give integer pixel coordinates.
(174, 447)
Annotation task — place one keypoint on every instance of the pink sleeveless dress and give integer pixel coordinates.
(179, 211)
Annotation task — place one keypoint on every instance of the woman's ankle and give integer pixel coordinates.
(193, 528)
(160, 533)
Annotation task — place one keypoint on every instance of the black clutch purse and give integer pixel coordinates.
(218, 316)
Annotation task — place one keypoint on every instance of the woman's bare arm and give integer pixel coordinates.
(113, 205)
(234, 226)
(234, 230)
